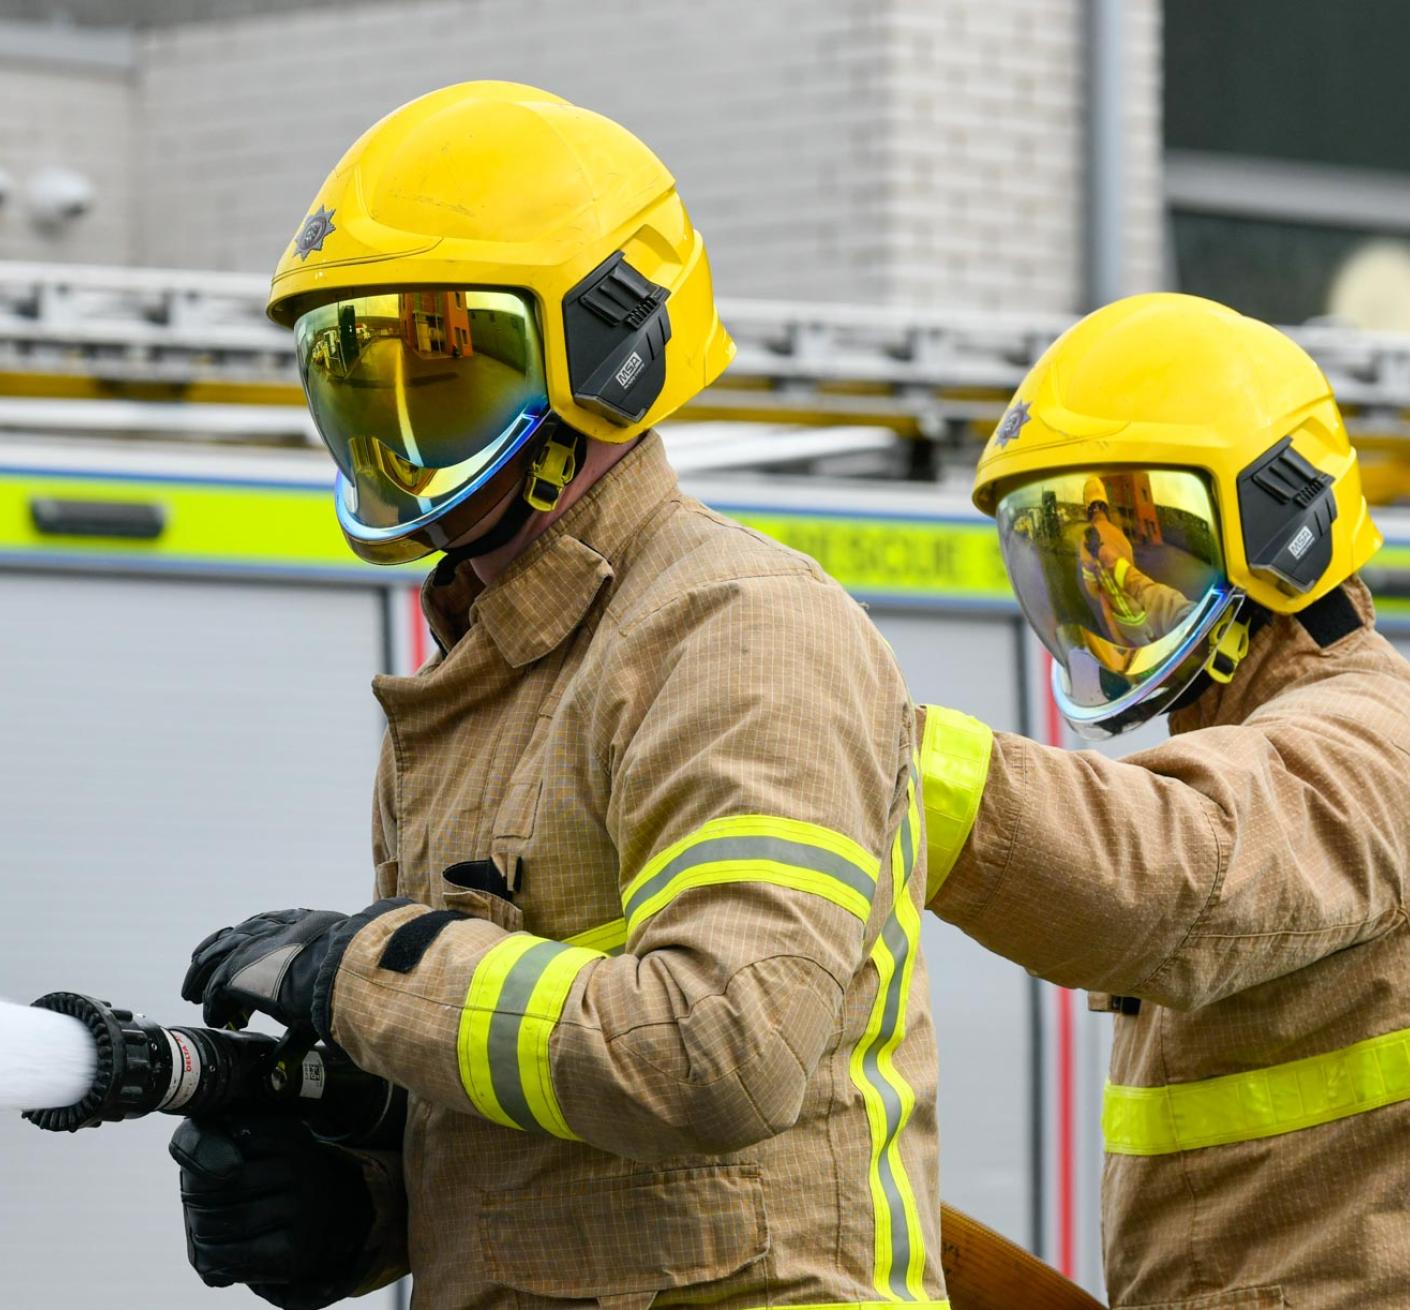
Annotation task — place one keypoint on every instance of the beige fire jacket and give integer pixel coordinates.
(1247, 880)
(693, 1060)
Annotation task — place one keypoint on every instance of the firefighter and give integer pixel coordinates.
(649, 862)
(1104, 551)
(1134, 609)
(1235, 897)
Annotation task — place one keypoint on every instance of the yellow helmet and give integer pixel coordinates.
(1219, 449)
(483, 260)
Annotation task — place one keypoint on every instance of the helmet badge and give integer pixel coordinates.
(311, 236)
(1013, 423)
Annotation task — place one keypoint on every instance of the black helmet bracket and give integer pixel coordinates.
(616, 327)
(1287, 509)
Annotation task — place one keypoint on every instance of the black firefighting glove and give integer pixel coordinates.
(268, 963)
(268, 1205)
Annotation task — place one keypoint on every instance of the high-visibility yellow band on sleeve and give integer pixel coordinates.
(1242, 1107)
(756, 848)
(862, 1305)
(515, 999)
(610, 938)
(954, 766)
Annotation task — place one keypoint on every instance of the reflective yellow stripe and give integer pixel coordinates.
(954, 766)
(756, 848)
(473, 1043)
(515, 999)
(609, 938)
(541, 1016)
(1241, 1107)
(205, 524)
(855, 1305)
(889, 1099)
(908, 913)
(878, 1107)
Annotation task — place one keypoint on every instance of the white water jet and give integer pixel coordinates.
(46, 1059)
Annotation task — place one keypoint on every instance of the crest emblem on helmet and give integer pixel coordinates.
(1013, 423)
(311, 236)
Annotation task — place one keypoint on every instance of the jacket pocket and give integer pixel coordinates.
(388, 880)
(1241, 1298)
(394, 880)
(639, 1233)
(514, 825)
(480, 905)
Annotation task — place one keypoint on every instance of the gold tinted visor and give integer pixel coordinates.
(1120, 573)
(421, 396)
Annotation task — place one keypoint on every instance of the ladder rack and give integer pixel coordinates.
(140, 337)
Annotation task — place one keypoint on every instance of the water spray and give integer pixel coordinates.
(98, 1064)
(49, 1059)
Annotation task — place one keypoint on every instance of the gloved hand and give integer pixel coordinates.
(269, 963)
(267, 1204)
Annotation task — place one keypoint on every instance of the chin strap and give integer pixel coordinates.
(1228, 644)
(1330, 619)
(554, 466)
(1326, 621)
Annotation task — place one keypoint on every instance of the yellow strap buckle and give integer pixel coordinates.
(1228, 644)
(554, 468)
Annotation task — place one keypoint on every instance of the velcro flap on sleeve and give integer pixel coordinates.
(409, 943)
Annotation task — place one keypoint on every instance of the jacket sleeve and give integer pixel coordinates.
(1221, 859)
(384, 1257)
(753, 739)
(1165, 606)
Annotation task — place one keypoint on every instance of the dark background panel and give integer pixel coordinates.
(1279, 272)
(1290, 79)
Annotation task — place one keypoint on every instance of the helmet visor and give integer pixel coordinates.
(1120, 573)
(421, 396)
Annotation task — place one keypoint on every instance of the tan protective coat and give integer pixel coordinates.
(1247, 879)
(645, 668)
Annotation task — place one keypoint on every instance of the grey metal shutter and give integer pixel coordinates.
(176, 755)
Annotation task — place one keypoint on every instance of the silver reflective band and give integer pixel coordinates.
(507, 1024)
(185, 1071)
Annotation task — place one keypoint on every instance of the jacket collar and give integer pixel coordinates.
(544, 594)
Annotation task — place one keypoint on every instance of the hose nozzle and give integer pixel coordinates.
(143, 1067)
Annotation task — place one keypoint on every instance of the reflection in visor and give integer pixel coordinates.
(370, 456)
(1119, 572)
(386, 489)
(421, 395)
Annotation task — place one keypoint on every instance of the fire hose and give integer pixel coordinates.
(143, 1068)
(985, 1271)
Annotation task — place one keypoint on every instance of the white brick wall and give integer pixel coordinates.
(79, 116)
(1145, 149)
(765, 112)
(922, 152)
(986, 113)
